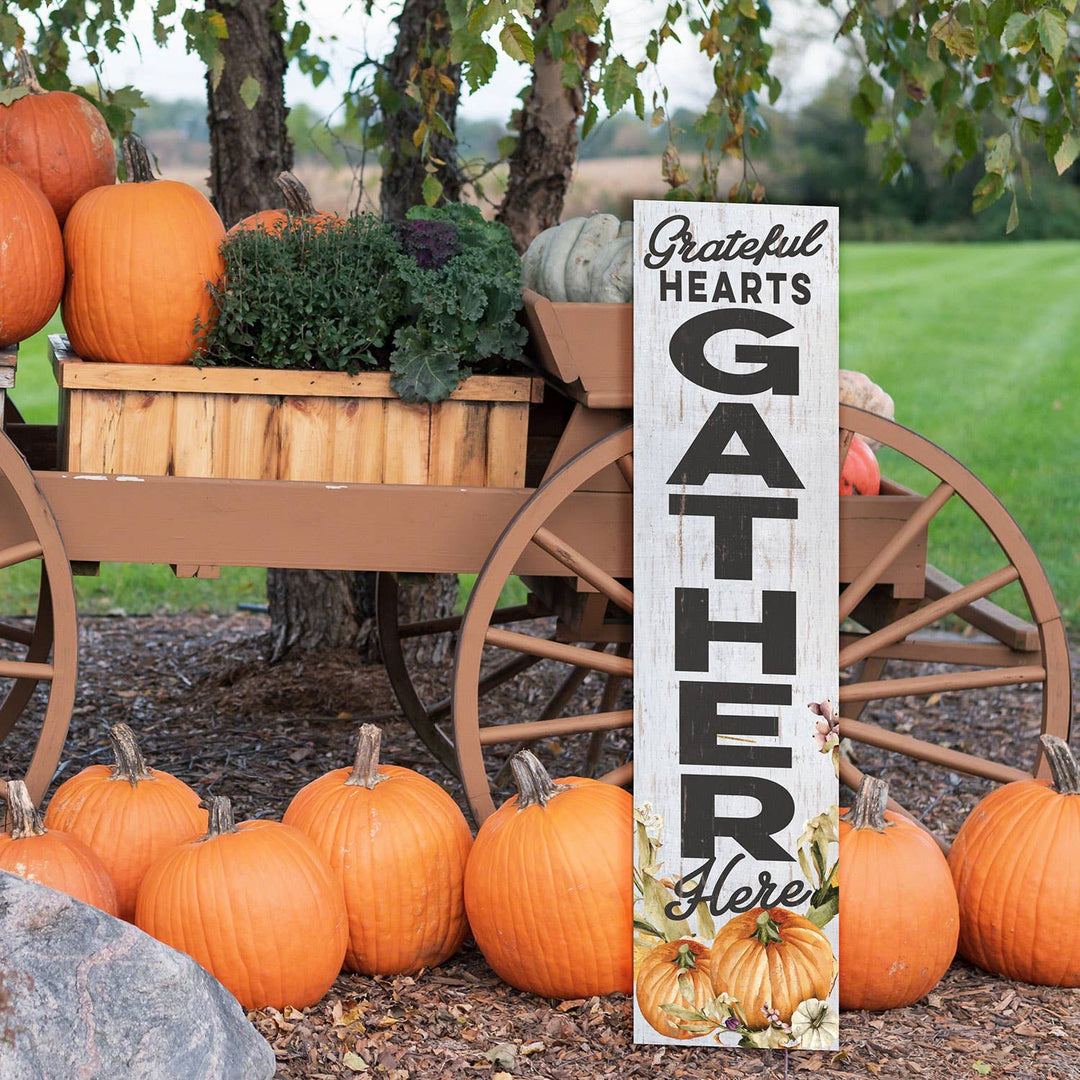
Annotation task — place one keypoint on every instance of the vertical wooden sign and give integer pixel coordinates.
(735, 624)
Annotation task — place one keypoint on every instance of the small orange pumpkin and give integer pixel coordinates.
(31, 258)
(255, 904)
(861, 474)
(548, 885)
(139, 257)
(773, 958)
(898, 913)
(386, 832)
(128, 814)
(1014, 866)
(57, 140)
(298, 205)
(673, 973)
(51, 857)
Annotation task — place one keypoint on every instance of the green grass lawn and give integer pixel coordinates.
(979, 345)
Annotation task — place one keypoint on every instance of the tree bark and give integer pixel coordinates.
(423, 36)
(249, 148)
(543, 160)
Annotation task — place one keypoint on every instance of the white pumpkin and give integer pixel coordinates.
(582, 260)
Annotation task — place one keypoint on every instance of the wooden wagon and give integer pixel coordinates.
(526, 478)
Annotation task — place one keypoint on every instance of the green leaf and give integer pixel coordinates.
(981, 1068)
(431, 189)
(996, 15)
(872, 90)
(250, 91)
(216, 67)
(987, 192)
(1053, 32)
(656, 898)
(879, 131)
(957, 38)
(997, 157)
(821, 914)
(506, 145)
(967, 136)
(747, 9)
(479, 63)
(1067, 153)
(216, 21)
(13, 93)
(1014, 216)
(1020, 32)
(619, 83)
(516, 43)
(592, 114)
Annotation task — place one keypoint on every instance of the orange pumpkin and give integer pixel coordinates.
(255, 904)
(56, 140)
(1014, 867)
(127, 813)
(861, 474)
(548, 885)
(772, 958)
(51, 857)
(298, 206)
(898, 916)
(390, 832)
(31, 258)
(674, 973)
(139, 256)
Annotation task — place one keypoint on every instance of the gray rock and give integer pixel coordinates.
(84, 996)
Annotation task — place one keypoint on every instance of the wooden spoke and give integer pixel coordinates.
(924, 685)
(872, 735)
(492, 681)
(453, 622)
(625, 465)
(585, 568)
(948, 650)
(17, 669)
(20, 553)
(619, 777)
(20, 635)
(612, 686)
(563, 725)
(857, 590)
(924, 616)
(555, 650)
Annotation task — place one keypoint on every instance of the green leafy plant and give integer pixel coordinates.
(433, 299)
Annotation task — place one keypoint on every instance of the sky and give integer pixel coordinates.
(344, 35)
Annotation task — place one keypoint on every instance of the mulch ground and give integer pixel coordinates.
(206, 707)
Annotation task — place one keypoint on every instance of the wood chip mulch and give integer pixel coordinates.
(206, 707)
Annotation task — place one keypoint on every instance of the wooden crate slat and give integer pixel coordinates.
(194, 445)
(459, 444)
(248, 436)
(508, 430)
(359, 435)
(407, 444)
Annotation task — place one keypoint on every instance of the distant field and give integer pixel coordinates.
(979, 346)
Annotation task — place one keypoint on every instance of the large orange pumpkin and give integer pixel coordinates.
(548, 885)
(128, 814)
(31, 259)
(861, 474)
(773, 958)
(298, 205)
(898, 913)
(255, 904)
(673, 973)
(388, 832)
(139, 257)
(57, 140)
(51, 857)
(1014, 864)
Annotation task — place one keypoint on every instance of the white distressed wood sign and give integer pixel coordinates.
(735, 624)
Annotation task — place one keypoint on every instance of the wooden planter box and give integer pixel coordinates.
(264, 424)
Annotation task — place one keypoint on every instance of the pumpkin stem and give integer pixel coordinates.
(136, 160)
(1063, 766)
(869, 809)
(767, 931)
(535, 787)
(221, 816)
(365, 770)
(25, 75)
(297, 198)
(685, 958)
(24, 816)
(130, 764)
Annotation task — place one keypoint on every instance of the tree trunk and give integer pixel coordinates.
(249, 148)
(543, 161)
(423, 38)
(320, 609)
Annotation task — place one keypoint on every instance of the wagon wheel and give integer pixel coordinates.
(427, 707)
(1003, 651)
(28, 533)
(875, 629)
(532, 526)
